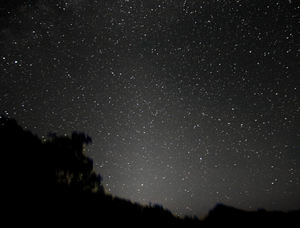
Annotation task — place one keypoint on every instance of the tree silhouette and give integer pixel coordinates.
(55, 164)
(73, 170)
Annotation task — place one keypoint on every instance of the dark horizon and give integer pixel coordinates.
(216, 207)
(55, 181)
(189, 103)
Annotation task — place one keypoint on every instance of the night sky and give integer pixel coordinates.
(189, 103)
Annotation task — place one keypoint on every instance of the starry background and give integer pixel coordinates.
(189, 103)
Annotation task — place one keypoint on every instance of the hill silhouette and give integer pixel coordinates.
(52, 182)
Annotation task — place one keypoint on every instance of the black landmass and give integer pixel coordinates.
(51, 182)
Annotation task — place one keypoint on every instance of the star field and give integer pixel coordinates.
(188, 103)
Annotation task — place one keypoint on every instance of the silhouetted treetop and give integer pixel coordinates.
(56, 163)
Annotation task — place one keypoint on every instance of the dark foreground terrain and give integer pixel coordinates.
(52, 183)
